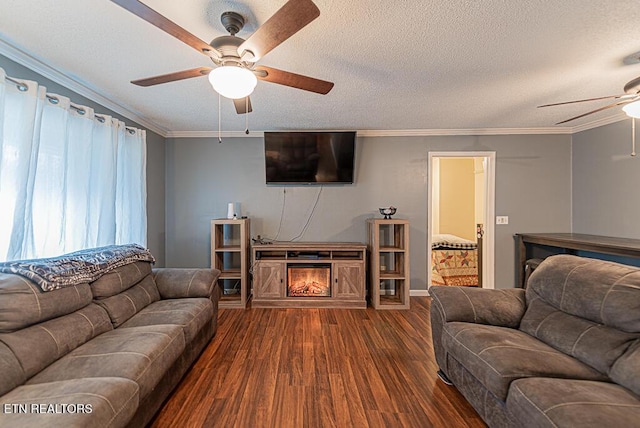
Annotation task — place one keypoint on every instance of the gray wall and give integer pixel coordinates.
(605, 178)
(155, 155)
(533, 187)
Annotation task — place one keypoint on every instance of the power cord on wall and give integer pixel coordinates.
(284, 201)
(313, 210)
(260, 240)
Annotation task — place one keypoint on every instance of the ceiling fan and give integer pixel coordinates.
(236, 73)
(630, 101)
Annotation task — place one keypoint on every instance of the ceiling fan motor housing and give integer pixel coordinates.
(227, 46)
(232, 21)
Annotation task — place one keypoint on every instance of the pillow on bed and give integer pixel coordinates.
(446, 240)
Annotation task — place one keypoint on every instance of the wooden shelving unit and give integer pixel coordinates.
(230, 253)
(389, 280)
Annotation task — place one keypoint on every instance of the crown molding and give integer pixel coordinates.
(214, 134)
(457, 132)
(387, 132)
(600, 122)
(21, 57)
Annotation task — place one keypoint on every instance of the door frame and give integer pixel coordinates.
(488, 252)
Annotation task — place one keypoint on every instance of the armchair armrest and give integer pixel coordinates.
(175, 283)
(504, 307)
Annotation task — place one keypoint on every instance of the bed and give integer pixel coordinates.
(454, 261)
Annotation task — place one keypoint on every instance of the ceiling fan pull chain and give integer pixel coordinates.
(633, 136)
(219, 119)
(246, 115)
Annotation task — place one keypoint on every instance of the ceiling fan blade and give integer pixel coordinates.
(293, 80)
(172, 77)
(585, 100)
(151, 16)
(596, 110)
(287, 21)
(633, 87)
(243, 105)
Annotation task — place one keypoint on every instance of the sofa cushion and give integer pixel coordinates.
(141, 354)
(96, 402)
(120, 279)
(594, 344)
(190, 314)
(11, 373)
(22, 303)
(589, 309)
(626, 370)
(544, 402)
(498, 355)
(603, 292)
(124, 305)
(38, 346)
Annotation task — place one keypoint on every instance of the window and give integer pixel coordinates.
(69, 179)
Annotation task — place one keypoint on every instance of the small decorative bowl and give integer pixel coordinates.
(388, 212)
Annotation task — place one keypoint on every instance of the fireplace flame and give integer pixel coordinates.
(312, 282)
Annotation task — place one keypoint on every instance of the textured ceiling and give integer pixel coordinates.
(397, 65)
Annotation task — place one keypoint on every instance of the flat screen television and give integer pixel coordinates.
(309, 157)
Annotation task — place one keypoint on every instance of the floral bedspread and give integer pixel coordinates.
(454, 267)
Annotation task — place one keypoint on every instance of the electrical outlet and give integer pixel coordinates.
(502, 219)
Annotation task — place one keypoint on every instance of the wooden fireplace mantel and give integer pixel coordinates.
(347, 261)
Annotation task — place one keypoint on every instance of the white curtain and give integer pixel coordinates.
(69, 179)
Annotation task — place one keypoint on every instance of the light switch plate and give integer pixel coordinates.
(502, 219)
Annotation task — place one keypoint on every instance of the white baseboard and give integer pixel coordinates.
(419, 292)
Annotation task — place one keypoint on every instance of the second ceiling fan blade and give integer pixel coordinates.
(151, 16)
(293, 80)
(585, 100)
(596, 110)
(172, 77)
(287, 21)
(243, 105)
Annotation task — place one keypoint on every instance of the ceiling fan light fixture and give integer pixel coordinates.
(632, 109)
(232, 81)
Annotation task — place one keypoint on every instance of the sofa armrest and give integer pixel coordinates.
(504, 307)
(176, 283)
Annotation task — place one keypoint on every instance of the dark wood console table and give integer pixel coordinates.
(542, 245)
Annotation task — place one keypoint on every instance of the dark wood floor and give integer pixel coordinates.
(318, 368)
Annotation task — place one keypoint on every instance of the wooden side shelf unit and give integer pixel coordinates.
(230, 254)
(389, 278)
(276, 267)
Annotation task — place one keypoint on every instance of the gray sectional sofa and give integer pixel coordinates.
(565, 352)
(101, 354)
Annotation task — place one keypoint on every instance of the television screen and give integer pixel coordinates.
(309, 157)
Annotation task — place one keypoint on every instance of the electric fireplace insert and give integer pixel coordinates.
(309, 280)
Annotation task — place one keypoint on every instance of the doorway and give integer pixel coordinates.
(460, 212)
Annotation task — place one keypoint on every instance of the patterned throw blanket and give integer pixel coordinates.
(77, 267)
